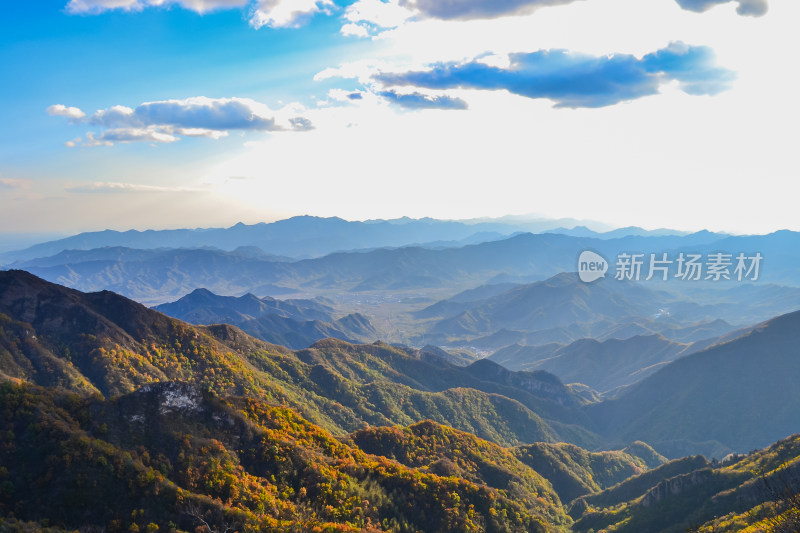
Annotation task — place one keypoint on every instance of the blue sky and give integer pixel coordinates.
(187, 113)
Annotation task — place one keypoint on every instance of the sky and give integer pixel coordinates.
(158, 114)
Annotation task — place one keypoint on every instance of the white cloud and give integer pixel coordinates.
(355, 30)
(167, 120)
(285, 13)
(361, 70)
(340, 95)
(123, 135)
(60, 110)
(99, 6)
(272, 13)
(118, 187)
(200, 132)
(91, 140)
(150, 134)
(384, 14)
(199, 112)
(117, 115)
(201, 6)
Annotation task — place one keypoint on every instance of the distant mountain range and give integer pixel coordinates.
(156, 276)
(307, 236)
(170, 274)
(295, 324)
(563, 309)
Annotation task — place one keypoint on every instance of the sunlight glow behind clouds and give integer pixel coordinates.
(667, 159)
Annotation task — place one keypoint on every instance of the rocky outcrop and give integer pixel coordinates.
(539, 382)
(675, 486)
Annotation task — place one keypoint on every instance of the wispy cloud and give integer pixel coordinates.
(169, 120)
(417, 100)
(272, 13)
(119, 187)
(11, 183)
(575, 80)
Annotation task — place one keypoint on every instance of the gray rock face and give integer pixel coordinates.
(674, 486)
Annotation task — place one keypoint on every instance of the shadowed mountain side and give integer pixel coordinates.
(293, 323)
(202, 306)
(463, 301)
(635, 486)
(557, 302)
(297, 334)
(741, 394)
(603, 366)
(559, 308)
(600, 330)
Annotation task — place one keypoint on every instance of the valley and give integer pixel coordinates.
(530, 401)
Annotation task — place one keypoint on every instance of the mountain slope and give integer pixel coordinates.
(740, 394)
(693, 495)
(102, 342)
(202, 306)
(559, 301)
(602, 366)
(170, 457)
(444, 451)
(292, 323)
(574, 471)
